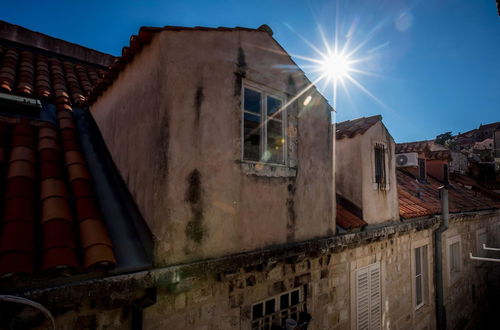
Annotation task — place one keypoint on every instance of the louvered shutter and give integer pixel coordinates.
(375, 310)
(362, 298)
(368, 308)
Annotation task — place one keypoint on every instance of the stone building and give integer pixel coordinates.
(189, 184)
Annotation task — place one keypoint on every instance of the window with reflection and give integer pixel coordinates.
(263, 127)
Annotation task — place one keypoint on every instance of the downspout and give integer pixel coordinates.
(438, 260)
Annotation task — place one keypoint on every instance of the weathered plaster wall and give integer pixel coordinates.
(465, 293)
(172, 122)
(348, 173)
(379, 205)
(355, 174)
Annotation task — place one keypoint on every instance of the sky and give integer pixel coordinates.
(427, 67)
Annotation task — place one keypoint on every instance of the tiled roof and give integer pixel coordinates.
(417, 146)
(36, 73)
(351, 128)
(51, 219)
(143, 38)
(348, 220)
(418, 199)
(440, 154)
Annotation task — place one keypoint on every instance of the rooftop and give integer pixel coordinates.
(351, 128)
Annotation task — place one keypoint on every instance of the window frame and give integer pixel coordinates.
(386, 184)
(265, 92)
(454, 275)
(479, 244)
(424, 246)
(261, 321)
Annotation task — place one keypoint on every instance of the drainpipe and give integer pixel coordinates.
(438, 260)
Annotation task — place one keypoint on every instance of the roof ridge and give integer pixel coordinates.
(23, 36)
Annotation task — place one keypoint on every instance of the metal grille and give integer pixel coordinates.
(380, 165)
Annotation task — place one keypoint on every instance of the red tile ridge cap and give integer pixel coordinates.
(143, 38)
(24, 36)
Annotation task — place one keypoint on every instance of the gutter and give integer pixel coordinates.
(438, 260)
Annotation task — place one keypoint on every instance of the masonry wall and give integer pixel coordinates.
(172, 123)
(465, 292)
(225, 303)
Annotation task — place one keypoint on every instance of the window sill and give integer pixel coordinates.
(385, 187)
(267, 169)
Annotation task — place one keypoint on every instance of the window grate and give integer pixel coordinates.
(380, 175)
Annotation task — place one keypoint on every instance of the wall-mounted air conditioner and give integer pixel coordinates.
(407, 159)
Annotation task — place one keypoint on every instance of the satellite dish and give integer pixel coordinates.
(401, 160)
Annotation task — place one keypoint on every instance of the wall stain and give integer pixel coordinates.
(198, 100)
(194, 228)
(241, 71)
(291, 215)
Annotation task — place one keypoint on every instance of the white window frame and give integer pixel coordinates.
(453, 276)
(480, 234)
(424, 246)
(265, 92)
(261, 322)
(373, 294)
(375, 185)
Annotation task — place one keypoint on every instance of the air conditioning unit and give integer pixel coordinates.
(407, 159)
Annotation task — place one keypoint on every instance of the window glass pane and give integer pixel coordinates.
(257, 311)
(252, 101)
(273, 105)
(251, 132)
(418, 260)
(275, 142)
(270, 308)
(419, 289)
(284, 301)
(295, 297)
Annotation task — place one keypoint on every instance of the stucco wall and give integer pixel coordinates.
(355, 174)
(470, 284)
(172, 122)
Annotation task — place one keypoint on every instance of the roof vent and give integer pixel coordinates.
(266, 28)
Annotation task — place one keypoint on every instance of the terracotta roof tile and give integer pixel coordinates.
(137, 43)
(347, 220)
(418, 199)
(30, 73)
(49, 198)
(351, 128)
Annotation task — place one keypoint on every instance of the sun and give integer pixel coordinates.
(335, 66)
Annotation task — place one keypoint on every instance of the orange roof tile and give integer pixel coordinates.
(348, 220)
(418, 199)
(351, 128)
(51, 206)
(36, 74)
(143, 38)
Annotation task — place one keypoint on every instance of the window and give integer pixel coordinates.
(263, 127)
(481, 239)
(445, 174)
(454, 259)
(279, 308)
(420, 274)
(421, 169)
(380, 177)
(368, 297)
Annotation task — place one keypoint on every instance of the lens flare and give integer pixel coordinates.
(335, 66)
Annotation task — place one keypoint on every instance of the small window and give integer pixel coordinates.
(454, 255)
(380, 176)
(455, 258)
(445, 173)
(263, 127)
(481, 239)
(422, 174)
(420, 276)
(276, 310)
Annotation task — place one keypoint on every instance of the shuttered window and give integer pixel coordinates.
(368, 297)
(380, 165)
(420, 276)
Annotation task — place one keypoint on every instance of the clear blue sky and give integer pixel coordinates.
(435, 64)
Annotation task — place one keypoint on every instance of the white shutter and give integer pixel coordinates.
(375, 308)
(362, 298)
(368, 305)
